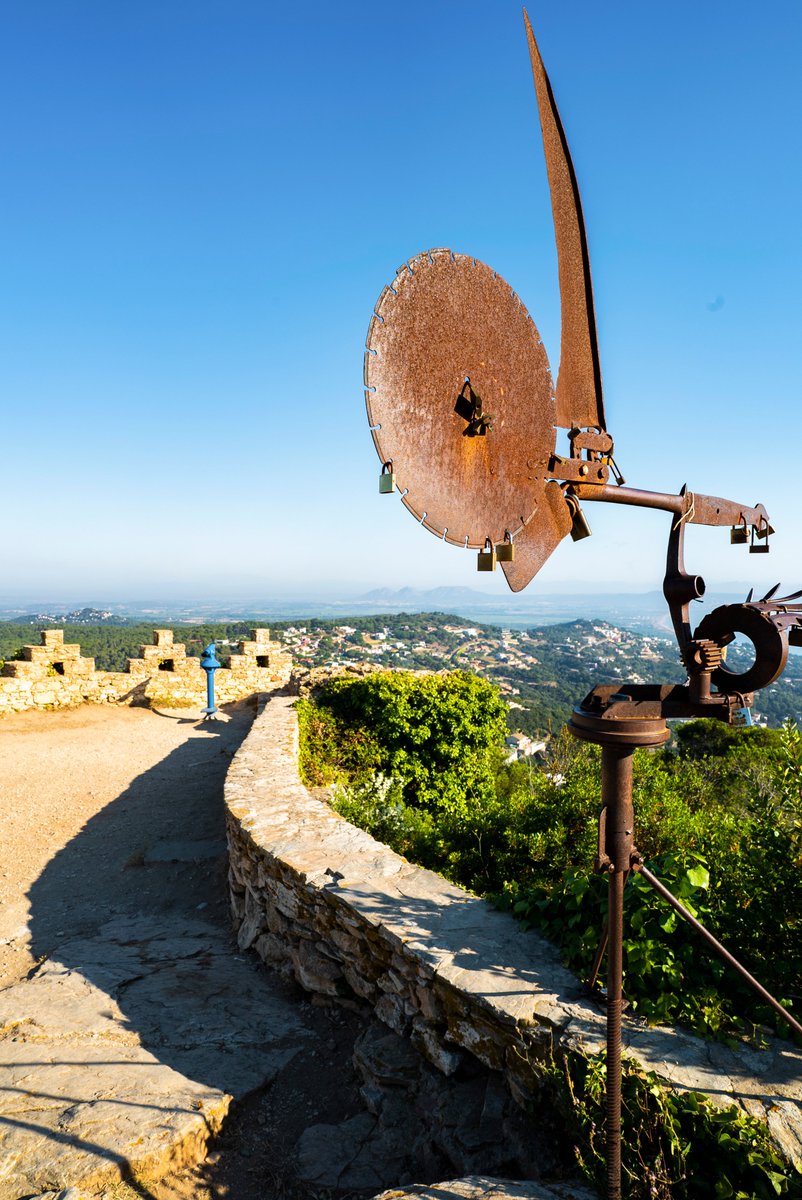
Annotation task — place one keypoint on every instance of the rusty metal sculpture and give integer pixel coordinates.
(464, 417)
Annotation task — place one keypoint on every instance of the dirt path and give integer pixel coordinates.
(116, 961)
(61, 769)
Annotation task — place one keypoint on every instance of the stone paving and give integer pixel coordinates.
(480, 1187)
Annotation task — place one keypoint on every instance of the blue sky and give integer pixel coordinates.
(201, 202)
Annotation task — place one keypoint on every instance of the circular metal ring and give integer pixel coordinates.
(770, 643)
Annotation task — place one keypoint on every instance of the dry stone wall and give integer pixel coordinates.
(55, 675)
(354, 921)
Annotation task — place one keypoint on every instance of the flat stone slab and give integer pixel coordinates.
(353, 1155)
(134, 1059)
(481, 1187)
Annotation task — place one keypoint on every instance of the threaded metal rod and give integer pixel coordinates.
(614, 993)
(619, 821)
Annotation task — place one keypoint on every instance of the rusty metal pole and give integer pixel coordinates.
(608, 718)
(616, 783)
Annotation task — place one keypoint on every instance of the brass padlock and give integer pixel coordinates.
(739, 535)
(579, 522)
(505, 551)
(387, 479)
(486, 559)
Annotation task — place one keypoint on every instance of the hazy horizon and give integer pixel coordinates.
(89, 598)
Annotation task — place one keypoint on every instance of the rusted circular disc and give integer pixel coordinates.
(447, 318)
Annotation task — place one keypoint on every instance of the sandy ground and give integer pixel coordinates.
(60, 769)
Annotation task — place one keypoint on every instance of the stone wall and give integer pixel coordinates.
(54, 675)
(351, 920)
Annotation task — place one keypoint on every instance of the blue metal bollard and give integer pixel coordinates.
(209, 664)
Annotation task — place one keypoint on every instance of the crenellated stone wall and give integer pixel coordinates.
(55, 675)
(352, 920)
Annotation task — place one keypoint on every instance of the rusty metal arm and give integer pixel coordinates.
(693, 507)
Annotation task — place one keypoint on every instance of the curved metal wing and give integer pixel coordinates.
(579, 386)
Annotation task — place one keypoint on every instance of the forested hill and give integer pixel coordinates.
(542, 672)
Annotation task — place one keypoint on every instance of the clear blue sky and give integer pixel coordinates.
(200, 203)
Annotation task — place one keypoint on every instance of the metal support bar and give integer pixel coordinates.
(597, 961)
(693, 507)
(716, 945)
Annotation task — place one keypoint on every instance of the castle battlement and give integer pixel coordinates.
(55, 675)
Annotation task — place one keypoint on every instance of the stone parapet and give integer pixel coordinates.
(52, 659)
(55, 675)
(352, 920)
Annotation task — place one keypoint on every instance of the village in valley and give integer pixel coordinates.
(541, 672)
(503, 654)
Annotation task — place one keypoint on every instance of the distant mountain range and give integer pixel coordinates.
(645, 612)
(461, 596)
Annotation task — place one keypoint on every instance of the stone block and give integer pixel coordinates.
(240, 665)
(430, 1006)
(394, 1012)
(156, 654)
(287, 901)
(345, 942)
(314, 972)
(253, 922)
(276, 922)
(392, 983)
(79, 668)
(52, 637)
(359, 984)
(37, 654)
(270, 948)
(21, 669)
(427, 1042)
(162, 637)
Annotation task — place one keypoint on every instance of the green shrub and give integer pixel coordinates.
(674, 1145)
(418, 763)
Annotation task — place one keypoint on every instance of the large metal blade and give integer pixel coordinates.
(539, 537)
(579, 385)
